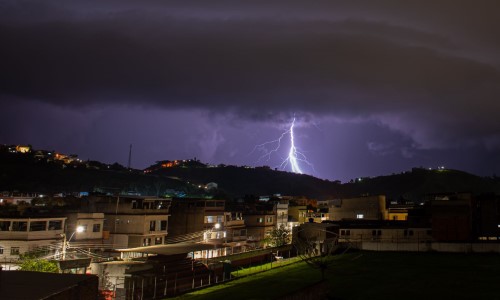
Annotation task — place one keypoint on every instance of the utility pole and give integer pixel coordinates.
(64, 246)
(129, 157)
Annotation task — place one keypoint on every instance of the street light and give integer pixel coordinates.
(65, 245)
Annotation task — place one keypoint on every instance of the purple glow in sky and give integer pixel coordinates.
(377, 86)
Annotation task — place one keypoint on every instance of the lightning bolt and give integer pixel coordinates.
(294, 158)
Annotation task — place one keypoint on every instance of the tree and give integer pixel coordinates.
(279, 237)
(315, 246)
(29, 262)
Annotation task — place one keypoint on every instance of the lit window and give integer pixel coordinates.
(360, 216)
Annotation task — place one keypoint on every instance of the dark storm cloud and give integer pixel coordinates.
(428, 71)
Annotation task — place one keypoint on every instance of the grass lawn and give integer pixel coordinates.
(375, 275)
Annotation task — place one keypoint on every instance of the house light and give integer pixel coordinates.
(79, 229)
(360, 216)
(217, 226)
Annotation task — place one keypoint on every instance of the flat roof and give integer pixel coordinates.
(171, 249)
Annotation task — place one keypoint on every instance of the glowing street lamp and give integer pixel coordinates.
(65, 245)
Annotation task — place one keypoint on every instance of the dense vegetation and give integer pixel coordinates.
(24, 173)
(412, 185)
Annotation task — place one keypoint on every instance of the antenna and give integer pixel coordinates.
(129, 157)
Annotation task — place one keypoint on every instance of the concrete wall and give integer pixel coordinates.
(424, 247)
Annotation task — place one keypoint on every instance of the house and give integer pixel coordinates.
(134, 221)
(23, 149)
(297, 214)
(452, 216)
(236, 232)
(259, 226)
(91, 225)
(367, 208)
(195, 215)
(21, 235)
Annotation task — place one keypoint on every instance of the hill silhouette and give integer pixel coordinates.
(25, 173)
(411, 185)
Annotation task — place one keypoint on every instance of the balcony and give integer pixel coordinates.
(235, 223)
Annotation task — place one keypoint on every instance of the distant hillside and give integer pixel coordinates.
(412, 185)
(25, 172)
(240, 181)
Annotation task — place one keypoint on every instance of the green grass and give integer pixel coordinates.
(375, 275)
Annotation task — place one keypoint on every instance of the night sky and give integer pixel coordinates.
(377, 87)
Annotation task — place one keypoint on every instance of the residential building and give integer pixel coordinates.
(92, 228)
(259, 226)
(366, 208)
(134, 221)
(21, 235)
(297, 215)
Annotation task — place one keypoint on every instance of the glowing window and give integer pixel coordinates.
(360, 216)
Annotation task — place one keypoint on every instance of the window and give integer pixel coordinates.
(269, 219)
(146, 242)
(38, 225)
(152, 225)
(19, 226)
(220, 219)
(163, 225)
(395, 218)
(84, 227)
(408, 232)
(14, 251)
(210, 219)
(342, 232)
(260, 220)
(55, 225)
(96, 228)
(347, 232)
(158, 241)
(1, 250)
(360, 216)
(4, 225)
